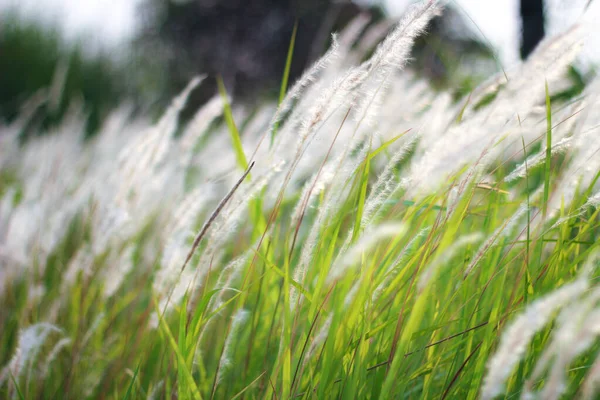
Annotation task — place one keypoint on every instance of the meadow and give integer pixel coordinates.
(364, 237)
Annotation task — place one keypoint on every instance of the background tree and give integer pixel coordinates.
(532, 18)
(32, 57)
(244, 41)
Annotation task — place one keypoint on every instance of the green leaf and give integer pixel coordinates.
(233, 130)
(19, 393)
(548, 152)
(182, 346)
(181, 364)
(286, 76)
(288, 64)
(361, 199)
(130, 387)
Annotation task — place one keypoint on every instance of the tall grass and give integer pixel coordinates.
(386, 243)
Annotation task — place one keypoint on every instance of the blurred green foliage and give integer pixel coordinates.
(32, 57)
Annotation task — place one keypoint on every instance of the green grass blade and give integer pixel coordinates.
(463, 109)
(17, 388)
(548, 153)
(241, 393)
(385, 145)
(286, 76)
(186, 373)
(233, 130)
(130, 387)
(181, 381)
(288, 64)
(361, 199)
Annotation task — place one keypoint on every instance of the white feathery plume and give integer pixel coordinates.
(82, 261)
(578, 175)
(519, 172)
(331, 101)
(453, 198)
(7, 207)
(393, 269)
(307, 78)
(31, 339)
(155, 393)
(396, 46)
(332, 203)
(372, 37)
(199, 123)
(465, 143)
(230, 219)
(58, 347)
(139, 158)
(319, 338)
(312, 189)
(502, 231)
(238, 320)
(60, 177)
(591, 383)
(393, 52)
(96, 323)
(366, 241)
(594, 200)
(521, 330)
(178, 232)
(174, 281)
(35, 293)
(546, 64)
(111, 223)
(117, 270)
(447, 255)
(229, 274)
(577, 331)
(351, 32)
(352, 293)
(386, 184)
(577, 327)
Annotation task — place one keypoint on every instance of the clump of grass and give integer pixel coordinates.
(386, 244)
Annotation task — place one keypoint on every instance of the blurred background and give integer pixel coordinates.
(98, 54)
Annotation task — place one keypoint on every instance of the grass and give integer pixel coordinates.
(329, 279)
(425, 343)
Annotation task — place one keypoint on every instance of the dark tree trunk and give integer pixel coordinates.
(532, 18)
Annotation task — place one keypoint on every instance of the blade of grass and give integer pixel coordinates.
(361, 199)
(462, 110)
(548, 153)
(288, 65)
(248, 386)
(182, 390)
(186, 373)
(130, 388)
(17, 388)
(233, 130)
(286, 76)
(214, 215)
(279, 272)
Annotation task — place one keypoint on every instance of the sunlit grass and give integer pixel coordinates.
(353, 275)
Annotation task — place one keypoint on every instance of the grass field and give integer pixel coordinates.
(366, 238)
